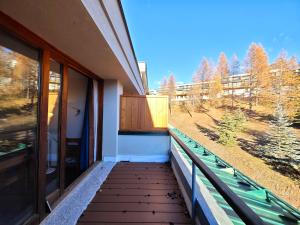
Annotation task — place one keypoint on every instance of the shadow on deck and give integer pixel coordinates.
(137, 193)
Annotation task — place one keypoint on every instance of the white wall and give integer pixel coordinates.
(76, 101)
(111, 112)
(107, 16)
(144, 148)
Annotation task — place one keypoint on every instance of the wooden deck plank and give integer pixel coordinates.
(135, 207)
(140, 180)
(141, 173)
(137, 193)
(141, 186)
(143, 170)
(129, 164)
(137, 199)
(108, 223)
(134, 217)
(144, 176)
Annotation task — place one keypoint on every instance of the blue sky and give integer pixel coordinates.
(172, 36)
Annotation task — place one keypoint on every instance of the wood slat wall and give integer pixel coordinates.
(143, 113)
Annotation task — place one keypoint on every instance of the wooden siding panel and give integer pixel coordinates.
(143, 113)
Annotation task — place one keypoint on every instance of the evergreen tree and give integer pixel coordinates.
(282, 142)
(226, 130)
(229, 126)
(239, 119)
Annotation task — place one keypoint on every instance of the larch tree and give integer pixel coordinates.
(215, 90)
(293, 66)
(171, 87)
(204, 71)
(222, 67)
(164, 86)
(286, 84)
(257, 66)
(6, 71)
(194, 93)
(171, 90)
(293, 63)
(202, 77)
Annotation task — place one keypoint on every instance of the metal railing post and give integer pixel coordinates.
(193, 192)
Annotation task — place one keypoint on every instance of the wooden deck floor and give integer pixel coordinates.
(137, 193)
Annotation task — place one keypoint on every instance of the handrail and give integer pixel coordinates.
(246, 214)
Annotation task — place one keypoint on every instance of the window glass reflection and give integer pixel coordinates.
(53, 127)
(19, 69)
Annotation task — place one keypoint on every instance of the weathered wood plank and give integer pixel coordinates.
(133, 217)
(108, 223)
(135, 207)
(136, 199)
(141, 186)
(163, 176)
(138, 193)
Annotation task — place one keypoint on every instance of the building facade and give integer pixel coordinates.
(81, 143)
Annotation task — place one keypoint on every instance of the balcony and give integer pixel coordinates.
(194, 186)
(137, 193)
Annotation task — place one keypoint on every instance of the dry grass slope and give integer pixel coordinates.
(202, 127)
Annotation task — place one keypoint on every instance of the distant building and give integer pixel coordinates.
(153, 92)
(143, 72)
(237, 85)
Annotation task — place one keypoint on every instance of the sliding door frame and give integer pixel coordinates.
(100, 120)
(63, 128)
(48, 51)
(43, 130)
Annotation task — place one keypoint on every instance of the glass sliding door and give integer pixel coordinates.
(76, 160)
(54, 105)
(19, 82)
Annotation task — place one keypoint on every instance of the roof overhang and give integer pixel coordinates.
(92, 32)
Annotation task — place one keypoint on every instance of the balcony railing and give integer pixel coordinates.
(252, 203)
(243, 211)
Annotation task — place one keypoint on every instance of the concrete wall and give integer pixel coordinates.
(111, 113)
(144, 148)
